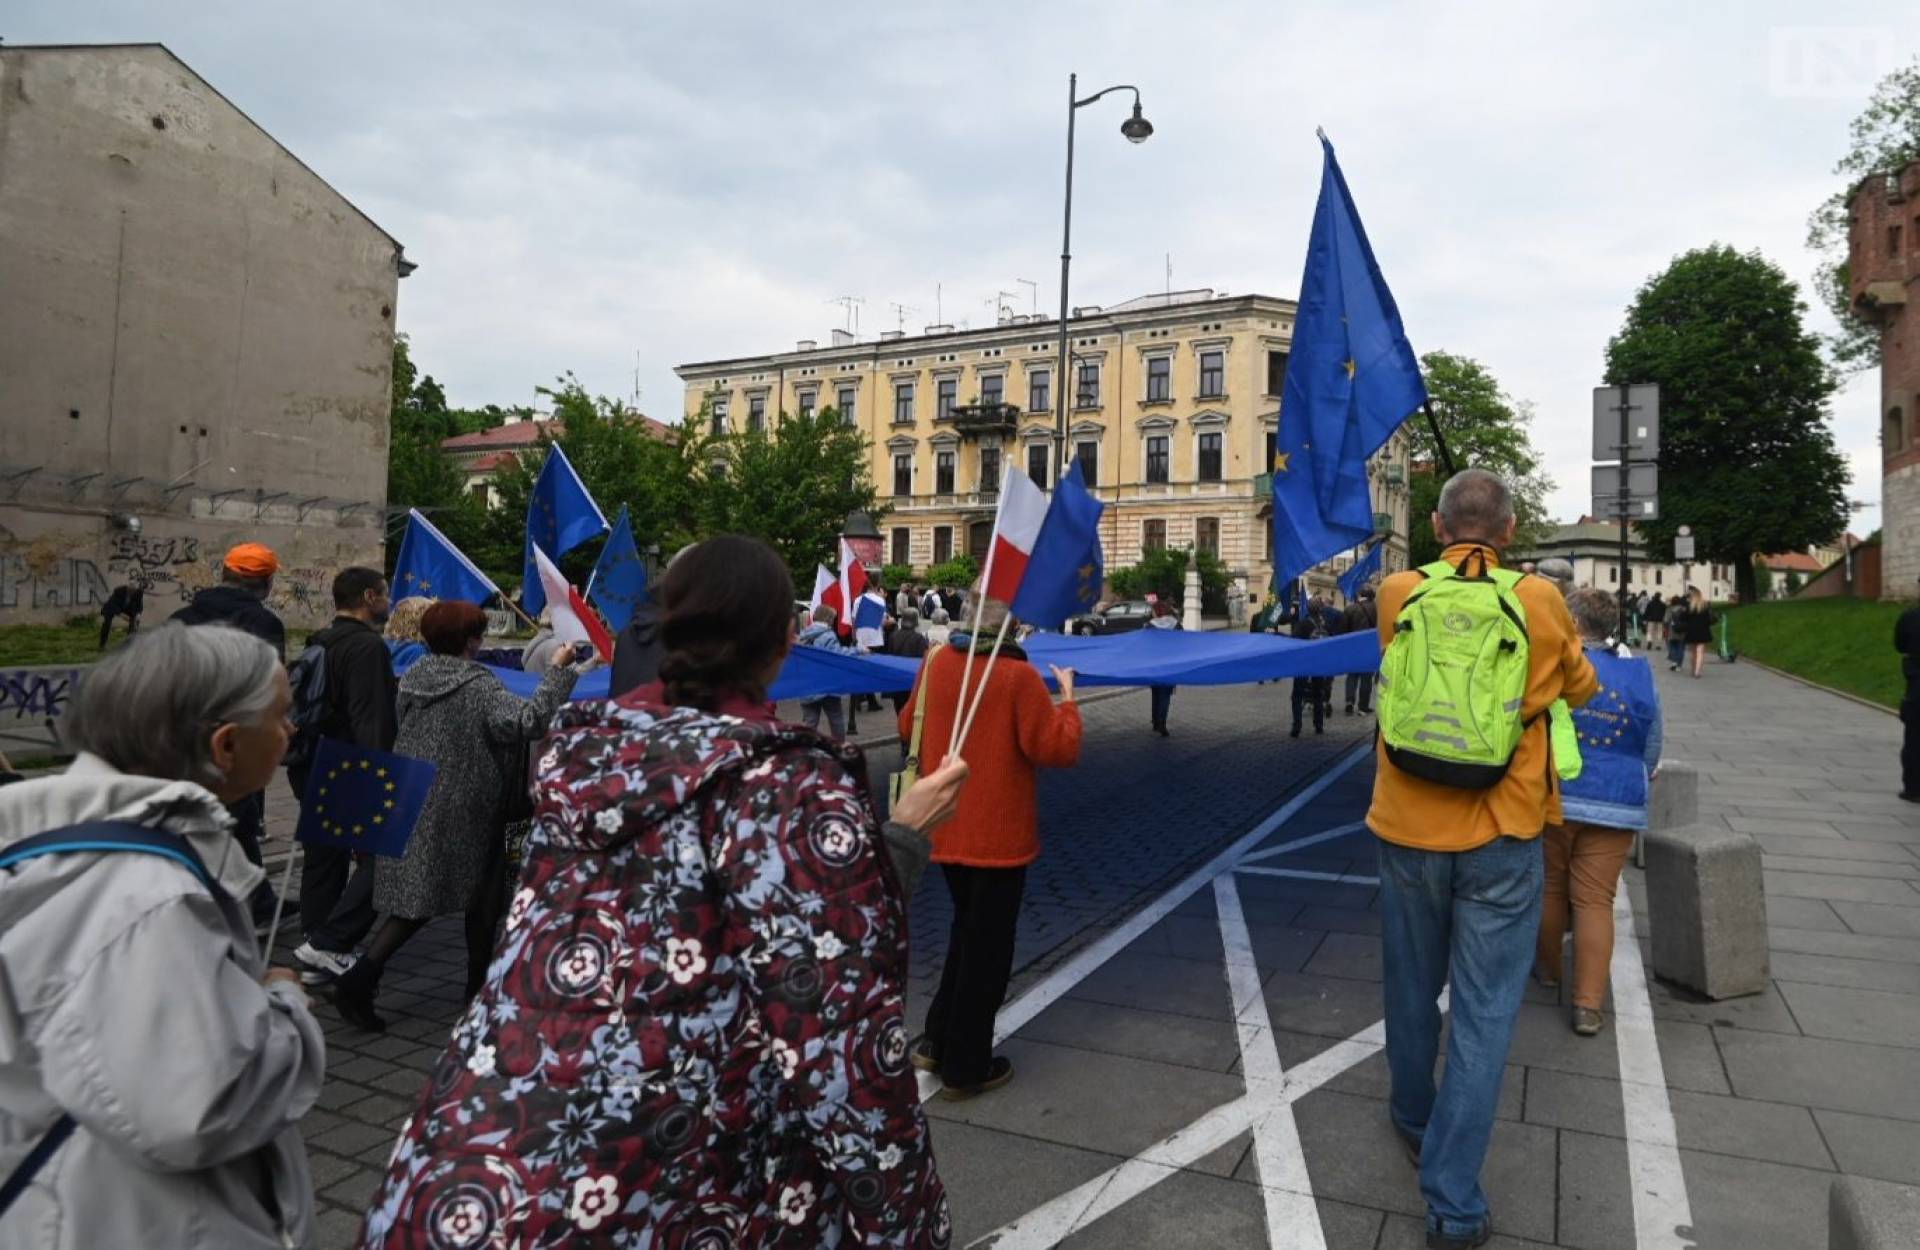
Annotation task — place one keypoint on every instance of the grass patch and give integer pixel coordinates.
(79, 644)
(1843, 643)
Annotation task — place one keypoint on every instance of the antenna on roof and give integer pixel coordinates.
(1033, 287)
(1002, 311)
(852, 305)
(900, 312)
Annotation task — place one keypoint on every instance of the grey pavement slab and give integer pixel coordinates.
(1894, 865)
(1856, 1015)
(1823, 1072)
(1866, 974)
(1771, 1132)
(993, 1177)
(1871, 1145)
(1899, 919)
(1850, 887)
(1164, 1037)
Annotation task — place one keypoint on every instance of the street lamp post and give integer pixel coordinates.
(1136, 128)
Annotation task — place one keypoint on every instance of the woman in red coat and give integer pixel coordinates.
(693, 1033)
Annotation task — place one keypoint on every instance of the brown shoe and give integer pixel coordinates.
(1587, 1021)
(920, 1054)
(999, 1072)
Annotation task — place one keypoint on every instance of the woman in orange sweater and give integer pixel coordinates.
(995, 833)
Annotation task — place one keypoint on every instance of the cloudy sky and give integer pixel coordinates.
(606, 187)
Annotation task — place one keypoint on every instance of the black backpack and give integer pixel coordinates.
(308, 677)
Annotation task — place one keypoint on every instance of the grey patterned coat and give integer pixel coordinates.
(456, 714)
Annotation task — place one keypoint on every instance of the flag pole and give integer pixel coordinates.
(980, 691)
(280, 903)
(1433, 423)
(979, 603)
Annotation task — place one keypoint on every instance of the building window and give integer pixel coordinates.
(993, 389)
(1266, 527)
(902, 545)
(1039, 391)
(989, 470)
(1037, 463)
(1276, 372)
(1210, 457)
(943, 473)
(1153, 536)
(479, 491)
(1206, 535)
(1896, 432)
(946, 392)
(1613, 573)
(942, 543)
(903, 403)
(1088, 454)
(902, 475)
(1893, 240)
(1213, 375)
(1086, 389)
(848, 399)
(1160, 380)
(1659, 576)
(807, 401)
(719, 415)
(1157, 459)
(757, 413)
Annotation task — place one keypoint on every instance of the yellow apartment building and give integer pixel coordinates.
(1174, 403)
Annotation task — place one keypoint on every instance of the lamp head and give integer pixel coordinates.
(1136, 128)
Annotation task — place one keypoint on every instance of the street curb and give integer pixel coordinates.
(1851, 698)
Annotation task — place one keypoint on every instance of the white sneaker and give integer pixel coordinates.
(317, 967)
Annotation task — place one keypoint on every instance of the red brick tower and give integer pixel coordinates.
(1883, 261)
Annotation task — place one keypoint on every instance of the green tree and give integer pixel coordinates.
(1885, 136)
(1746, 457)
(1485, 428)
(418, 475)
(1762, 583)
(1794, 582)
(959, 571)
(1164, 573)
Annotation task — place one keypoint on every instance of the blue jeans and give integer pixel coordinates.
(1474, 914)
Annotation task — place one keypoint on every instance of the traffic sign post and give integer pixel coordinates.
(1626, 429)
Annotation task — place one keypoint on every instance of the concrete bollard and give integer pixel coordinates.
(1707, 907)
(1872, 1215)
(1674, 801)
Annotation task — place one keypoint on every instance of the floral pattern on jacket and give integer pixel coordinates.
(693, 1033)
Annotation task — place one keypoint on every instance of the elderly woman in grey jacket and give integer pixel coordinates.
(455, 713)
(138, 1016)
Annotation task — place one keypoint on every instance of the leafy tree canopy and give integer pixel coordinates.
(1885, 136)
(1485, 429)
(1746, 457)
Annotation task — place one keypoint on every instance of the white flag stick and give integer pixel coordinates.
(979, 603)
(980, 693)
(279, 904)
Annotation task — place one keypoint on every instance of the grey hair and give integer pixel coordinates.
(151, 706)
(1595, 612)
(1557, 571)
(1475, 505)
(824, 615)
(909, 619)
(992, 613)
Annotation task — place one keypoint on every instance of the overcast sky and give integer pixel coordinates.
(605, 187)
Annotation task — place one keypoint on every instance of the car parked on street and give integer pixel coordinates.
(1113, 618)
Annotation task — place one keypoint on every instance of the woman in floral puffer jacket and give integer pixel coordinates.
(693, 1032)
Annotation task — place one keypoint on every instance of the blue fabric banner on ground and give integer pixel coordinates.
(1147, 657)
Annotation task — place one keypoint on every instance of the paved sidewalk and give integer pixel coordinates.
(1218, 1081)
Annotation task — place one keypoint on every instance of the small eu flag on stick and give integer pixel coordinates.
(360, 799)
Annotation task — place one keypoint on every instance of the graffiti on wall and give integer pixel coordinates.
(170, 570)
(32, 699)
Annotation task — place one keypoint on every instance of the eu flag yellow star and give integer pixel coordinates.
(1280, 459)
(1350, 370)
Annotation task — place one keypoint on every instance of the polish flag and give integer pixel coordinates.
(573, 620)
(1016, 527)
(823, 581)
(843, 595)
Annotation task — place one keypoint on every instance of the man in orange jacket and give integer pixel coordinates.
(1460, 884)
(983, 852)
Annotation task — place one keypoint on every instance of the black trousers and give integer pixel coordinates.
(1162, 703)
(1910, 740)
(1313, 690)
(973, 984)
(1363, 683)
(336, 894)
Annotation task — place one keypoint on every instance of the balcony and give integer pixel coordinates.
(973, 420)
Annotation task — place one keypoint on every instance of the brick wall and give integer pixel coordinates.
(1884, 264)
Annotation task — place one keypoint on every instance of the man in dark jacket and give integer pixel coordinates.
(128, 600)
(637, 652)
(240, 600)
(1906, 640)
(1315, 620)
(336, 894)
(907, 643)
(1362, 613)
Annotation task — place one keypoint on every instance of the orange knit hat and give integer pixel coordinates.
(252, 560)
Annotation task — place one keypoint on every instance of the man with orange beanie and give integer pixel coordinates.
(240, 600)
(995, 833)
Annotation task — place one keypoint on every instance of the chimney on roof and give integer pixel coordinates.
(806, 345)
(844, 338)
(1087, 310)
(513, 418)
(940, 329)
(890, 336)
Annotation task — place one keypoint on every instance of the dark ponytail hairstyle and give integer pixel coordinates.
(727, 610)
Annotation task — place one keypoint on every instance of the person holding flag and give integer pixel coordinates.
(455, 714)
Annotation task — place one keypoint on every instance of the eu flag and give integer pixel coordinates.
(431, 566)
(1364, 568)
(1066, 570)
(360, 799)
(1351, 380)
(619, 582)
(560, 516)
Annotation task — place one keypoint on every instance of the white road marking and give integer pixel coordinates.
(1303, 874)
(1058, 983)
(1293, 1221)
(1287, 849)
(1662, 1216)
